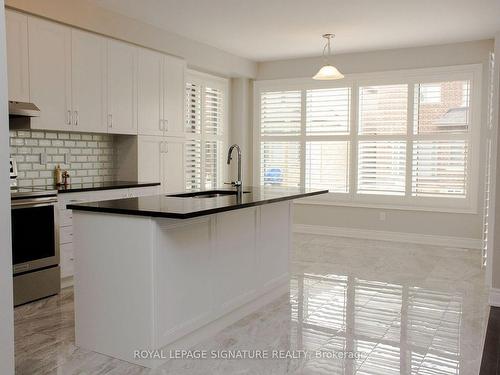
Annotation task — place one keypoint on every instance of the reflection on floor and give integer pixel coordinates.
(396, 308)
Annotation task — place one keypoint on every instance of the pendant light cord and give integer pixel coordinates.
(328, 38)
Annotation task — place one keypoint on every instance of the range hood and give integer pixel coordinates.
(20, 114)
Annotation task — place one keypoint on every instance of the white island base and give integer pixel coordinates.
(157, 284)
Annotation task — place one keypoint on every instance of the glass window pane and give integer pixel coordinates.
(327, 165)
(449, 114)
(383, 109)
(280, 163)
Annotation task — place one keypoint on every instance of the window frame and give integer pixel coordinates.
(472, 72)
(204, 80)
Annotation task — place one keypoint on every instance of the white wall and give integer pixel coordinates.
(494, 238)
(241, 126)
(414, 222)
(6, 301)
(82, 14)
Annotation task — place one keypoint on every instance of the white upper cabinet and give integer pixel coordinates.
(88, 82)
(160, 94)
(122, 111)
(173, 97)
(50, 73)
(17, 55)
(149, 90)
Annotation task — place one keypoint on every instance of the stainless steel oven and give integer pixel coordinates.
(35, 245)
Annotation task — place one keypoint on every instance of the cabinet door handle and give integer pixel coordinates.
(166, 125)
(76, 118)
(68, 117)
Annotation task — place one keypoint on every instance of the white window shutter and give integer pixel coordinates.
(193, 164)
(381, 167)
(280, 113)
(193, 108)
(440, 169)
(213, 104)
(328, 111)
(211, 163)
(280, 163)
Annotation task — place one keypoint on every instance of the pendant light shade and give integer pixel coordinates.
(328, 71)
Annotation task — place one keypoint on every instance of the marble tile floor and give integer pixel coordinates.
(390, 308)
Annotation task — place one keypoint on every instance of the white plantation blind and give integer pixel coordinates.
(280, 163)
(407, 139)
(212, 152)
(381, 167)
(193, 108)
(192, 157)
(205, 113)
(327, 165)
(280, 113)
(439, 168)
(328, 111)
(214, 110)
(383, 109)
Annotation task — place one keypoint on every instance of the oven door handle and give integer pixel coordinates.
(33, 202)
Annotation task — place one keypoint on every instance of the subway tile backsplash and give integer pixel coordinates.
(87, 157)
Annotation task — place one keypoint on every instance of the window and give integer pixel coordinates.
(382, 139)
(205, 119)
(402, 139)
(324, 136)
(430, 93)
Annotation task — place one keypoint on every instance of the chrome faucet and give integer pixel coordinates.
(238, 181)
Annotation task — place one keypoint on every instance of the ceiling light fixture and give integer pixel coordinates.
(328, 71)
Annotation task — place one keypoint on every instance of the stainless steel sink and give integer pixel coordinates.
(207, 194)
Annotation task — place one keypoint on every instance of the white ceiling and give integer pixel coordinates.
(264, 30)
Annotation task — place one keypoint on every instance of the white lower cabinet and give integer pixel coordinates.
(161, 159)
(66, 250)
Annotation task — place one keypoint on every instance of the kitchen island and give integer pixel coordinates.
(161, 272)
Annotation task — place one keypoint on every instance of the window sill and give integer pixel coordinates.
(385, 206)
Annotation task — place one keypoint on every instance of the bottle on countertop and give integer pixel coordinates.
(65, 176)
(58, 175)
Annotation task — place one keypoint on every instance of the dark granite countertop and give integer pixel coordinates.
(94, 186)
(176, 207)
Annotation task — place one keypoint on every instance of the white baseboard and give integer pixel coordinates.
(369, 234)
(494, 299)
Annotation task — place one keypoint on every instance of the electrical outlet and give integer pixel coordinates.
(382, 216)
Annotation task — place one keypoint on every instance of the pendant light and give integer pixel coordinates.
(328, 71)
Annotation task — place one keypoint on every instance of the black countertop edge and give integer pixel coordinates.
(104, 186)
(189, 215)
